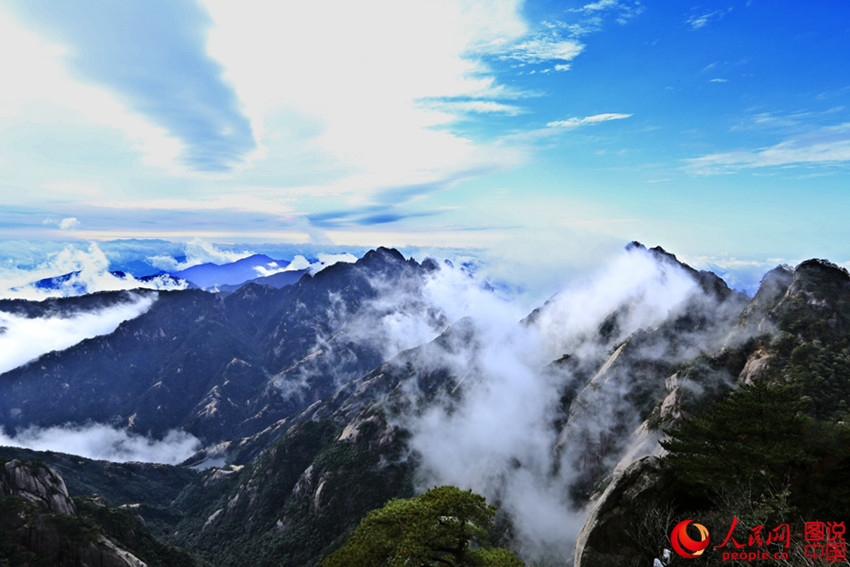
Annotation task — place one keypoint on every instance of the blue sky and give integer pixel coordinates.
(542, 133)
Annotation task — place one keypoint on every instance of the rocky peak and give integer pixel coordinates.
(710, 282)
(821, 277)
(384, 260)
(38, 484)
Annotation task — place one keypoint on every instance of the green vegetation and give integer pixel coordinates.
(444, 526)
(126, 530)
(758, 456)
(754, 435)
(301, 499)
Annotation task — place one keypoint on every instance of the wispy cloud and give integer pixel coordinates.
(459, 107)
(700, 20)
(153, 57)
(575, 122)
(822, 147)
(624, 10)
(544, 49)
(697, 22)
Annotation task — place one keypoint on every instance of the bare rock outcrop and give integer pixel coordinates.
(45, 524)
(38, 484)
(627, 523)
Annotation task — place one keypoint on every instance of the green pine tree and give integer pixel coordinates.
(755, 436)
(444, 526)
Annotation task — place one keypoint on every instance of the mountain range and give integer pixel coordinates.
(316, 401)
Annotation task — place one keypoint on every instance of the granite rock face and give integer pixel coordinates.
(37, 484)
(627, 523)
(43, 523)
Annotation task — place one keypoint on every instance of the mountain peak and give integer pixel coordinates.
(824, 267)
(821, 278)
(383, 253)
(708, 281)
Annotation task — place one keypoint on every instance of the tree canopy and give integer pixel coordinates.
(444, 526)
(754, 435)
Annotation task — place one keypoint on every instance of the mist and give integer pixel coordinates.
(498, 437)
(104, 442)
(24, 339)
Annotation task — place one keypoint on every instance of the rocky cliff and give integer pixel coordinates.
(40, 524)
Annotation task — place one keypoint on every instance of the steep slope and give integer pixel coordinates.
(41, 525)
(357, 448)
(218, 367)
(332, 463)
(793, 334)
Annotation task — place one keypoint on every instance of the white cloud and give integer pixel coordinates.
(702, 20)
(595, 119)
(198, 251)
(99, 441)
(361, 103)
(822, 147)
(37, 89)
(497, 438)
(625, 10)
(233, 202)
(82, 271)
(600, 5)
(69, 223)
(299, 262)
(547, 48)
(343, 120)
(24, 339)
(743, 274)
(476, 106)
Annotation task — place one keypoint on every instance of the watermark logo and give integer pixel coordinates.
(684, 544)
(824, 541)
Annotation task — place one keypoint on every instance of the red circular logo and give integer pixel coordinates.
(685, 545)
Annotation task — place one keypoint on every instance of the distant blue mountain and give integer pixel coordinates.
(224, 277)
(277, 281)
(211, 275)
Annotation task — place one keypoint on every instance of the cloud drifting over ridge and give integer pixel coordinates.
(24, 339)
(197, 251)
(73, 271)
(499, 437)
(103, 442)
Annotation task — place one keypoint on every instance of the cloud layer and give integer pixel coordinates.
(70, 272)
(104, 442)
(24, 339)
